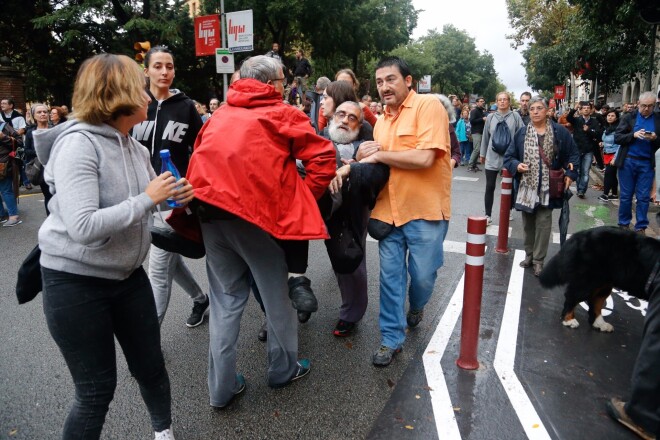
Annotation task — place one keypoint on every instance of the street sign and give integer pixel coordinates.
(240, 31)
(224, 61)
(424, 84)
(207, 35)
(560, 92)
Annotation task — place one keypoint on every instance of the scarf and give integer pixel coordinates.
(531, 191)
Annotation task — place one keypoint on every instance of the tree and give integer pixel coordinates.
(596, 39)
(453, 61)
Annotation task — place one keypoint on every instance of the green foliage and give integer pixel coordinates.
(453, 61)
(606, 34)
(51, 38)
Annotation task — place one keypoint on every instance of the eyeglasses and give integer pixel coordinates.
(646, 105)
(342, 114)
(278, 79)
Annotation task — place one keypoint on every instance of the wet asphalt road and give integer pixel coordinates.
(343, 397)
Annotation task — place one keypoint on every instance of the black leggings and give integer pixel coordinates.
(491, 181)
(85, 315)
(610, 182)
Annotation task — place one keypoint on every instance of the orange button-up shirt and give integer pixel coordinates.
(419, 194)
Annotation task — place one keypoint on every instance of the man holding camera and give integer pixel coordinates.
(637, 134)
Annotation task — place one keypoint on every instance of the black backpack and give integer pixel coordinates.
(501, 137)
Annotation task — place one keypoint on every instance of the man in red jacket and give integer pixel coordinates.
(251, 198)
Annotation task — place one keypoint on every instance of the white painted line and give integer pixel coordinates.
(556, 237)
(505, 355)
(467, 179)
(455, 247)
(443, 410)
(495, 229)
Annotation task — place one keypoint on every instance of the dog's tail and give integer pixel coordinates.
(551, 274)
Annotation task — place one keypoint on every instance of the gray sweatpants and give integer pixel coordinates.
(165, 267)
(234, 247)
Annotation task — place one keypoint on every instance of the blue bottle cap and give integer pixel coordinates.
(164, 153)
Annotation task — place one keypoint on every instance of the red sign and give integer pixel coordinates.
(207, 35)
(560, 92)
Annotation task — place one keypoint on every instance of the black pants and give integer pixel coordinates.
(84, 315)
(598, 155)
(491, 181)
(644, 404)
(610, 182)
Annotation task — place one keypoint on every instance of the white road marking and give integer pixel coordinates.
(556, 237)
(590, 213)
(495, 229)
(443, 410)
(467, 179)
(505, 355)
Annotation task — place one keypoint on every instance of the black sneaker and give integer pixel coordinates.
(343, 328)
(603, 198)
(614, 197)
(240, 380)
(301, 294)
(198, 312)
(263, 333)
(384, 355)
(580, 195)
(414, 317)
(303, 367)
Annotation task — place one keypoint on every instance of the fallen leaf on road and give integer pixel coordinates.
(349, 345)
(591, 374)
(417, 396)
(535, 425)
(457, 409)
(390, 383)
(431, 352)
(428, 388)
(276, 413)
(409, 427)
(13, 432)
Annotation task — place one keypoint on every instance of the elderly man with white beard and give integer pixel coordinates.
(343, 131)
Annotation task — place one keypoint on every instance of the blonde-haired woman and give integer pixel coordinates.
(95, 240)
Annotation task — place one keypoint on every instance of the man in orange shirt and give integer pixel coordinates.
(413, 139)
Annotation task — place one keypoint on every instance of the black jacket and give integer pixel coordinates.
(175, 123)
(566, 152)
(477, 120)
(624, 136)
(586, 141)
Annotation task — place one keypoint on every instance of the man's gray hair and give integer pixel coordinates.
(322, 83)
(357, 106)
(647, 95)
(261, 68)
(448, 106)
(537, 99)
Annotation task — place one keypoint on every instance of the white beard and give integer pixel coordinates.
(340, 136)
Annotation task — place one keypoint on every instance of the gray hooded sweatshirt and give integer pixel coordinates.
(98, 224)
(495, 161)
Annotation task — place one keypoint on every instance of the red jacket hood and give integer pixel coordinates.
(249, 93)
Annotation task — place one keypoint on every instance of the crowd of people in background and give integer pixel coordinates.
(397, 152)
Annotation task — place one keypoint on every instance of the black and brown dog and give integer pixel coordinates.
(594, 261)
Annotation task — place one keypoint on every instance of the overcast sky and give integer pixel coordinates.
(484, 20)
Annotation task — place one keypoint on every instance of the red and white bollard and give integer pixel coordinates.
(502, 245)
(475, 250)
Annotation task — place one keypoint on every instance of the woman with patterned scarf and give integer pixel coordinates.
(540, 146)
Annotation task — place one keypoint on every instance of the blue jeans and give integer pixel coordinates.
(466, 151)
(416, 249)
(84, 315)
(583, 172)
(7, 193)
(635, 177)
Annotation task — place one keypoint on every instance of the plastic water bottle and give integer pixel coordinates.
(168, 165)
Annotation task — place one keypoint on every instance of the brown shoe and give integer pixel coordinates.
(538, 267)
(616, 409)
(527, 262)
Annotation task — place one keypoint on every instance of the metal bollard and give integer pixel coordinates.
(475, 250)
(505, 208)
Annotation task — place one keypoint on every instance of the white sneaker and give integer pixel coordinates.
(489, 221)
(165, 435)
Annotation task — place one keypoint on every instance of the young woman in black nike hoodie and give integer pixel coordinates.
(172, 124)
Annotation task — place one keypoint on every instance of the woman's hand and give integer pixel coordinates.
(164, 187)
(338, 180)
(522, 168)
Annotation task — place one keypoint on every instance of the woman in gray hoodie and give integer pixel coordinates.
(95, 240)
